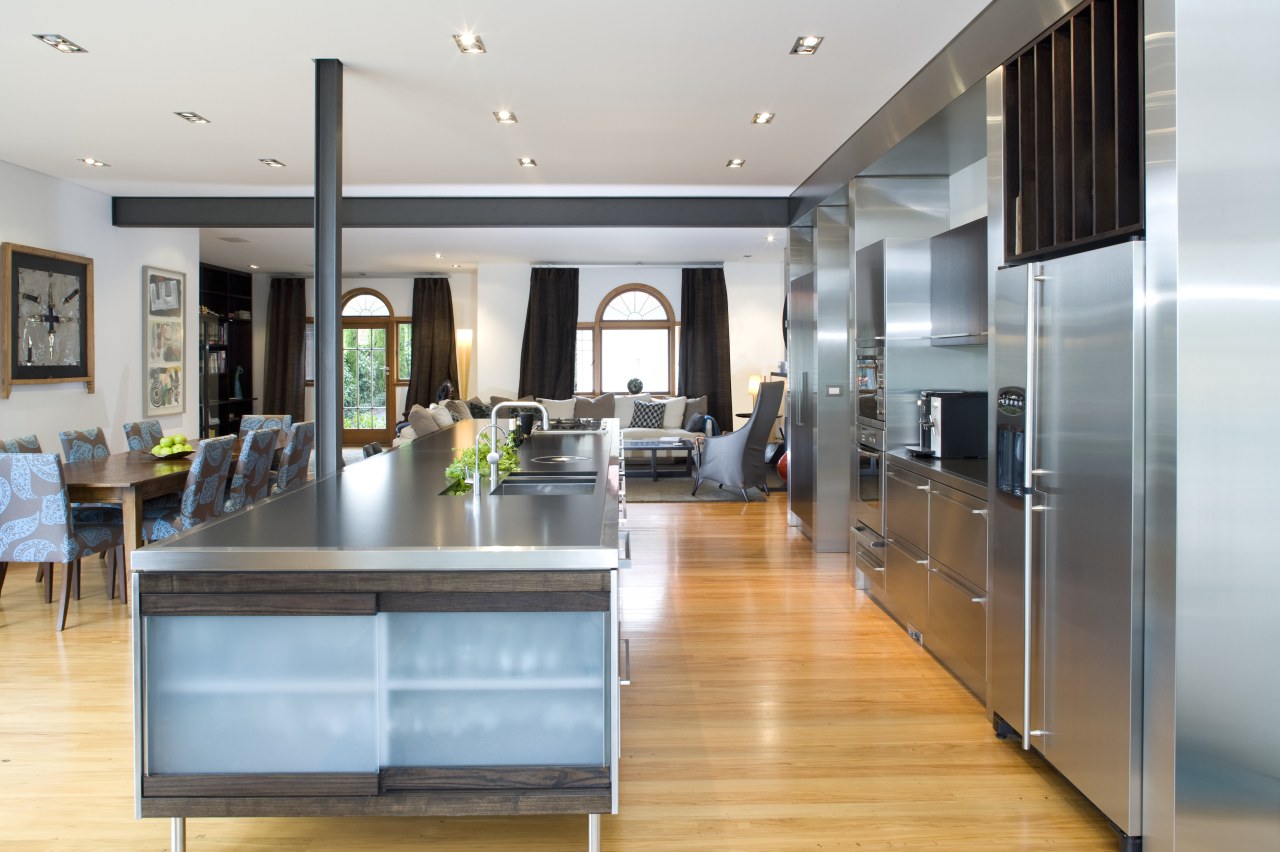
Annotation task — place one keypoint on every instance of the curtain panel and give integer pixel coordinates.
(284, 380)
(704, 342)
(550, 334)
(433, 353)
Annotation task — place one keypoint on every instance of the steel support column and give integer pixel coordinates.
(328, 264)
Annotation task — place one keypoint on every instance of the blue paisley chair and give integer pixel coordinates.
(38, 525)
(20, 444)
(253, 422)
(252, 479)
(143, 435)
(80, 445)
(202, 498)
(296, 457)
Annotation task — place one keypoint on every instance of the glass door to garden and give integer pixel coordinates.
(367, 389)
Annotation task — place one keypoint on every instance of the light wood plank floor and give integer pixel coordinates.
(773, 708)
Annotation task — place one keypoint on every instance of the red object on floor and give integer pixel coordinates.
(782, 465)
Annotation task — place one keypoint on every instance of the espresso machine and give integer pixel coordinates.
(953, 424)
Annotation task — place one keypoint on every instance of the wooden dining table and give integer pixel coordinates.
(127, 479)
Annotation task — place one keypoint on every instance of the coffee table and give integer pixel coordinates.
(653, 447)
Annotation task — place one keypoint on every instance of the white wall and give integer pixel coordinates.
(39, 211)
(756, 293)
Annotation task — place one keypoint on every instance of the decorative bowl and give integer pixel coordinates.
(171, 456)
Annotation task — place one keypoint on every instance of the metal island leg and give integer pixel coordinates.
(593, 832)
(178, 834)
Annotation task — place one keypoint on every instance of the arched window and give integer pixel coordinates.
(365, 303)
(633, 337)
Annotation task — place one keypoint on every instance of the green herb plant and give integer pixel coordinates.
(466, 461)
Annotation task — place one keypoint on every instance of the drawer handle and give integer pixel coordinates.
(978, 600)
(977, 511)
(922, 488)
(922, 561)
(625, 680)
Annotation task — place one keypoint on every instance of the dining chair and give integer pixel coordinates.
(254, 422)
(143, 434)
(737, 459)
(84, 444)
(252, 478)
(371, 449)
(297, 455)
(202, 497)
(39, 525)
(21, 444)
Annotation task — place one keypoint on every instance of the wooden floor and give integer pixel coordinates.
(772, 708)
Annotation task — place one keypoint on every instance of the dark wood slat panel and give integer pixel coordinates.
(1044, 142)
(1104, 116)
(310, 582)
(1029, 206)
(494, 777)
(434, 803)
(1063, 157)
(276, 785)
(259, 604)
(1082, 122)
(1119, 235)
(1130, 174)
(1012, 161)
(494, 602)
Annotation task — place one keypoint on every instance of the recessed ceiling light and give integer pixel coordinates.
(275, 164)
(762, 118)
(504, 117)
(469, 43)
(806, 45)
(90, 161)
(254, 266)
(57, 42)
(439, 256)
(769, 238)
(735, 164)
(193, 117)
(527, 162)
(456, 265)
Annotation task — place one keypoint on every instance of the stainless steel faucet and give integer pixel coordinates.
(493, 415)
(495, 455)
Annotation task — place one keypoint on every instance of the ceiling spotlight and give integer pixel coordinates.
(90, 161)
(769, 238)
(806, 45)
(57, 42)
(762, 118)
(504, 117)
(193, 117)
(254, 266)
(456, 265)
(275, 164)
(469, 43)
(735, 164)
(527, 162)
(439, 256)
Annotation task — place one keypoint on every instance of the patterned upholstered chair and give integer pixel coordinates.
(296, 457)
(253, 422)
(80, 445)
(252, 478)
(37, 524)
(203, 497)
(143, 435)
(21, 444)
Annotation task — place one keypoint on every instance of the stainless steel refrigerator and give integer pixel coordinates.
(1067, 520)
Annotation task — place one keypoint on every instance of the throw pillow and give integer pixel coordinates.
(441, 414)
(695, 405)
(479, 410)
(674, 416)
(601, 406)
(422, 422)
(558, 409)
(459, 409)
(648, 415)
(624, 407)
(695, 423)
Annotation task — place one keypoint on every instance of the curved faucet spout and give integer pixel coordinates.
(493, 415)
(495, 453)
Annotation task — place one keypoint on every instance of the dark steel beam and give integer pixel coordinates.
(250, 212)
(328, 265)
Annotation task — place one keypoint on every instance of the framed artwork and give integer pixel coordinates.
(164, 373)
(46, 308)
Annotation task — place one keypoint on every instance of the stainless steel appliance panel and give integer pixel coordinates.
(829, 393)
(956, 632)
(958, 533)
(868, 484)
(907, 581)
(906, 507)
(801, 366)
(868, 558)
(868, 296)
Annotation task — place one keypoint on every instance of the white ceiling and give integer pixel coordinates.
(613, 99)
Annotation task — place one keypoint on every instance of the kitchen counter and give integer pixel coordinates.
(967, 475)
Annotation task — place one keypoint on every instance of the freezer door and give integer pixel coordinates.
(1088, 453)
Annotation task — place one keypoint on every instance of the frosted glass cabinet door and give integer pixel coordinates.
(496, 688)
(232, 694)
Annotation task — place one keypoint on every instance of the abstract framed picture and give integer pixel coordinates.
(164, 374)
(46, 311)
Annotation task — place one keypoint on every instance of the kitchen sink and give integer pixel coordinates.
(546, 484)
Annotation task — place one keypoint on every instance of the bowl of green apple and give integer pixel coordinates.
(172, 447)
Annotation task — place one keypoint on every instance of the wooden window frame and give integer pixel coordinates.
(396, 321)
(599, 324)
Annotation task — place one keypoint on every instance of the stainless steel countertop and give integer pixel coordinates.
(967, 475)
(386, 513)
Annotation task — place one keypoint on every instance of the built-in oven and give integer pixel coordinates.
(868, 507)
(868, 380)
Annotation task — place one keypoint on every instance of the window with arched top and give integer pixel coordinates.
(633, 337)
(365, 303)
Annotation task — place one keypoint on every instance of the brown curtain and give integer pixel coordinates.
(434, 357)
(704, 342)
(284, 382)
(550, 334)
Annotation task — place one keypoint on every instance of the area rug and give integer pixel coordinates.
(675, 489)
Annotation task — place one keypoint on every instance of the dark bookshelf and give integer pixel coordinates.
(226, 343)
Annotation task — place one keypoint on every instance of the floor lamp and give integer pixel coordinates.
(464, 339)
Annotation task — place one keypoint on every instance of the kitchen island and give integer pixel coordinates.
(370, 645)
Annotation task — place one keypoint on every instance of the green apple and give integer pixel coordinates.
(167, 441)
(179, 438)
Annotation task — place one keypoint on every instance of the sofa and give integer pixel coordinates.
(642, 416)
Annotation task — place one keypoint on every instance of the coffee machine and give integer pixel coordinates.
(953, 424)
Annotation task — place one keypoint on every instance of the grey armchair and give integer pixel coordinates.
(736, 459)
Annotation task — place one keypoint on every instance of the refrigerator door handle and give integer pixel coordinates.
(1029, 509)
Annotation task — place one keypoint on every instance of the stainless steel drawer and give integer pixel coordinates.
(906, 502)
(958, 533)
(907, 582)
(957, 633)
(868, 558)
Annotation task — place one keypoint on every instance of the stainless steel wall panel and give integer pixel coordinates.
(830, 391)
(801, 369)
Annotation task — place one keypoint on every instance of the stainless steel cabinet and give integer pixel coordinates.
(906, 507)
(907, 581)
(958, 533)
(958, 285)
(957, 627)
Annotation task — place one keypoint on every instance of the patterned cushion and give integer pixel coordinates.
(36, 522)
(251, 480)
(296, 457)
(648, 415)
(82, 445)
(624, 407)
(202, 498)
(143, 435)
(21, 444)
(479, 410)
